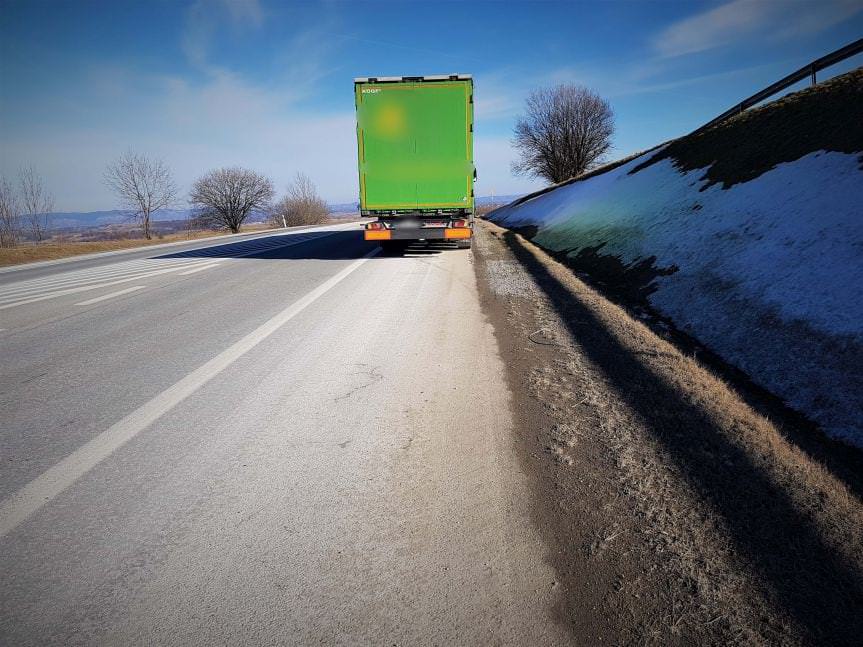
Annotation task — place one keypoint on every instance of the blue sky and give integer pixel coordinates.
(268, 85)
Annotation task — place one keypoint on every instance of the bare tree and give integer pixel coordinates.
(566, 131)
(225, 197)
(143, 185)
(301, 206)
(10, 218)
(36, 202)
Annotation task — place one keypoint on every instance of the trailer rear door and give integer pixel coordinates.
(415, 144)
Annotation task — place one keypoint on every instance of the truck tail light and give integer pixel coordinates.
(377, 225)
(459, 223)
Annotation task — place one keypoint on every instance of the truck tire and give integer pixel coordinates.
(464, 243)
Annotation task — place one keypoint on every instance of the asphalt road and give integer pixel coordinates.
(289, 439)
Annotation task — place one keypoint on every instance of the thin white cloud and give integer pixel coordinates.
(377, 43)
(500, 93)
(220, 120)
(493, 158)
(630, 84)
(193, 125)
(199, 122)
(244, 12)
(712, 28)
(742, 19)
(497, 95)
(822, 17)
(205, 17)
(308, 57)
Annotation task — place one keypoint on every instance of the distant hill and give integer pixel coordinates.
(485, 200)
(481, 201)
(94, 219)
(89, 219)
(344, 207)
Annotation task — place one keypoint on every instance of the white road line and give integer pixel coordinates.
(16, 508)
(36, 291)
(17, 292)
(109, 267)
(95, 271)
(85, 277)
(199, 269)
(105, 297)
(144, 248)
(84, 288)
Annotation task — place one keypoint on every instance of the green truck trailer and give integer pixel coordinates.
(415, 154)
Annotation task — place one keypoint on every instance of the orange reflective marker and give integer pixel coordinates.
(378, 234)
(457, 232)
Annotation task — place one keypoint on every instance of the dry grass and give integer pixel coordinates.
(824, 117)
(54, 249)
(759, 543)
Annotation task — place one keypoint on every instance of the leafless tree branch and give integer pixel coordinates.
(301, 206)
(225, 197)
(143, 185)
(36, 202)
(10, 218)
(566, 130)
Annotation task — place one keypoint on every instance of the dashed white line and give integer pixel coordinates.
(93, 271)
(21, 292)
(199, 269)
(8, 297)
(16, 508)
(105, 297)
(84, 288)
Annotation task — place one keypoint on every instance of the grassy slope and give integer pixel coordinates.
(826, 117)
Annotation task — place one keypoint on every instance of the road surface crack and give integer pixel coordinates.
(374, 376)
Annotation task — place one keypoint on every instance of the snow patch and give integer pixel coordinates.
(769, 271)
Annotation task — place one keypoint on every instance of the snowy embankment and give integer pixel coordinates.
(764, 266)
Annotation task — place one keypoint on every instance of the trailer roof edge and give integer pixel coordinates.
(427, 77)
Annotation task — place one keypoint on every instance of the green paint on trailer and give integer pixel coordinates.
(415, 144)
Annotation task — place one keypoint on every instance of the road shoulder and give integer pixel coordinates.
(665, 500)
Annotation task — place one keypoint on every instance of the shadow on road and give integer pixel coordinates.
(337, 245)
(421, 248)
(800, 572)
(340, 245)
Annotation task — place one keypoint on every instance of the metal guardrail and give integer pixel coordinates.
(809, 70)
